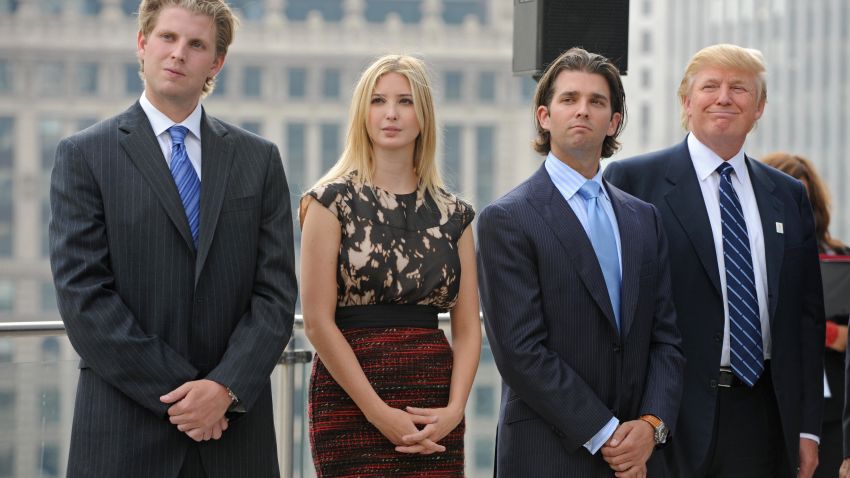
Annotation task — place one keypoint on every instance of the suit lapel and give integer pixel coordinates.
(631, 250)
(687, 204)
(771, 212)
(217, 157)
(561, 219)
(142, 147)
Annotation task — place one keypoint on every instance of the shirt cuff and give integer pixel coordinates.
(595, 443)
(811, 437)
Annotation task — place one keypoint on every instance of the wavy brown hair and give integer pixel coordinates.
(801, 168)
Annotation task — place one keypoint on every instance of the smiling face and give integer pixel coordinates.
(579, 116)
(392, 124)
(722, 107)
(179, 55)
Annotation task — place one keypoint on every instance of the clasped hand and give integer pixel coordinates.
(198, 408)
(628, 449)
(400, 427)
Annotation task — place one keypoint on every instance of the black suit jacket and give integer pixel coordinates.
(565, 368)
(668, 180)
(146, 312)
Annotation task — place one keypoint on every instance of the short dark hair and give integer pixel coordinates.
(578, 59)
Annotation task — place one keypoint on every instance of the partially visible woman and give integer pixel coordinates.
(384, 248)
(831, 448)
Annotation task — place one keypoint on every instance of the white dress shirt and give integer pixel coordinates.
(160, 124)
(706, 162)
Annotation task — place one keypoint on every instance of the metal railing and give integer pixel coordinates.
(289, 361)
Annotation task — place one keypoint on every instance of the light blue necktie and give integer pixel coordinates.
(188, 184)
(745, 342)
(604, 242)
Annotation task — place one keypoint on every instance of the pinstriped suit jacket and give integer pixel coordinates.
(565, 368)
(147, 313)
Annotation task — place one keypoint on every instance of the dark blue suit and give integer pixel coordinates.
(565, 368)
(668, 180)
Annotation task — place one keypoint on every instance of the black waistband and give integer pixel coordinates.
(387, 315)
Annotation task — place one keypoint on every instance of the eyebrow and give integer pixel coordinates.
(598, 96)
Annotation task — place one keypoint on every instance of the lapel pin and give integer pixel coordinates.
(779, 229)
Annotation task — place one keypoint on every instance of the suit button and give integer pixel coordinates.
(718, 337)
(199, 300)
(617, 348)
(712, 383)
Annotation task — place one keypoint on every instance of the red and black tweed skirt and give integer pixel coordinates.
(406, 367)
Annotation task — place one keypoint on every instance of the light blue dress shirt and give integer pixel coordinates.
(568, 181)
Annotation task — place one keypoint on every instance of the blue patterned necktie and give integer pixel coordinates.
(604, 242)
(745, 341)
(188, 184)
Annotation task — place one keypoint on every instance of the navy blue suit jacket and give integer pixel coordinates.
(566, 369)
(668, 180)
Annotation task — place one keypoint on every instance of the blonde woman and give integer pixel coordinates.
(384, 249)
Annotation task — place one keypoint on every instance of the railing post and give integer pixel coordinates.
(288, 361)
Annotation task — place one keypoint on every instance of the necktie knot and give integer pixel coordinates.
(725, 169)
(590, 190)
(178, 133)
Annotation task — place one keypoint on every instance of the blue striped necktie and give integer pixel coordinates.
(604, 242)
(745, 341)
(188, 184)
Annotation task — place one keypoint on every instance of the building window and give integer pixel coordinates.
(485, 401)
(453, 85)
(7, 142)
(48, 297)
(130, 7)
(331, 84)
(90, 7)
(330, 145)
(646, 41)
(452, 149)
(6, 85)
(84, 123)
(484, 452)
(487, 86)
(484, 151)
(50, 350)
(49, 460)
(7, 456)
(252, 82)
(297, 79)
(647, 7)
(51, 7)
(7, 295)
(8, 6)
(87, 76)
(456, 11)
(220, 88)
(46, 75)
(133, 85)
(646, 78)
(330, 10)
(253, 126)
(296, 157)
(251, 10)
(408, 10)
(527, 88)
(50, 404)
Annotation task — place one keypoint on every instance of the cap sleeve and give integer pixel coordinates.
(330, 195)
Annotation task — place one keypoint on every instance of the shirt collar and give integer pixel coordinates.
(160, 122)
(568, 180)
(707, 161)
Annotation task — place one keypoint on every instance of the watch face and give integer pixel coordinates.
(661, 434)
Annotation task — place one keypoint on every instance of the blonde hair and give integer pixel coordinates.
(357, 156)
(724, 55)
(222, 16)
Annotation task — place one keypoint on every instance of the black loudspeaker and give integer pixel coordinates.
(543, 29)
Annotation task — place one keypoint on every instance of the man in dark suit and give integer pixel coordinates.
(746, 280)
(172, 253)
(575, 289)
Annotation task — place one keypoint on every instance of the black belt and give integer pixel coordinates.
(728, 379)
(387, 315)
